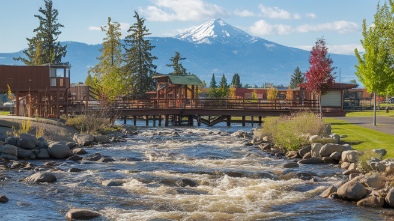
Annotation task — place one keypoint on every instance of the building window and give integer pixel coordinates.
(61, 82)
(53, 82)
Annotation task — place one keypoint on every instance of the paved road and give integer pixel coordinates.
(384, 124)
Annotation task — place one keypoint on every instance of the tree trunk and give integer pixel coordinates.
(374, 108)
(320, 108)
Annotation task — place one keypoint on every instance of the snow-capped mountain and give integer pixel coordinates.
(216, 31)
(213, 47)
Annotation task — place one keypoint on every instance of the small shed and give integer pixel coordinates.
(177, 90)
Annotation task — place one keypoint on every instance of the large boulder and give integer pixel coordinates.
(42, 143)
(11, 140)
(312, 160)
(373, 180)
(83, 139)
(330, 190)
(372, 201)
(41, 177)
(352, 190)
(315, 149)
(25, 154)
(304, 150)
(351, 156)
(336, 138)
(9, 149)
(390, 197)
(81, 214)
(101, 139)
(43, 154)
(327, 149)
(59, 150)
(27, 141)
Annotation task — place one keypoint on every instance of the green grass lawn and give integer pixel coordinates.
(361, 138)
(4, 112)
(369, 113)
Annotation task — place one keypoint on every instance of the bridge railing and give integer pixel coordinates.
(204, 103)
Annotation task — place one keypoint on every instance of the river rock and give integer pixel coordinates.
(315, 149)
(291, 165)
(345, 165)
(390, 197)
(43, 154)
(304, 150)
(11, 140)
(41, 177)
(27, 141)
(327, 129)
(3, 136)
(25, 154)
(350, 171)
(382, 152)
(327, 149)
(330, 190)
(8, 157)
(373, 180)
(292, 154)
(336, 156)
(71, 145)
(59, 150)
(312, 160)
(314, 138)
(74, 170)
(101, 139)
(186, 182)
(350, 156)
(115, 182)
(329, 160)
(81, 214)
(42, 143)
(265, 146)
(336, 138)
(75, 158)
(93, 157)
(79, 151)
(307, 156)
(372, 201)
(9, 149)
(3, 199)
(352, 190)
(83, 139)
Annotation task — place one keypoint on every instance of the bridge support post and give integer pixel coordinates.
(199, 120)
(159, 120)
(147, 120)
(166, 120)
(209, 121)
(135, 120)
(154, 120)
(190, 120)
(243, 121)
(124, 119)
(228, 120)
(260, 121)
(252, 121)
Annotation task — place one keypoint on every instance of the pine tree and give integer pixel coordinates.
(108, 74)
(296, 79)
(212, 87)
(236, 81)
(44, 48)
(223, 87)
(375, 65)
(139, 67)
(319, 78)
(177, 65)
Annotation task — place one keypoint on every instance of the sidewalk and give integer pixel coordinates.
(383, 124)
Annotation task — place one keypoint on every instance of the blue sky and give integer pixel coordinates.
(293, 23)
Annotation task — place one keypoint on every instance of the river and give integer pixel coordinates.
(182, 173)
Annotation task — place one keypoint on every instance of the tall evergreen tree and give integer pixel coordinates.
(375, 65)
(236, 81)
(44, 48)
(139, 67)
(297, 78)
(223, 87)
(109, 77)
(177, 65)
(212, 87)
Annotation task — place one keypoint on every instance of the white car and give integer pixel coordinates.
(9, 104)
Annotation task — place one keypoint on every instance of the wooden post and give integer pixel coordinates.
(159, 120)
(243, 121)
(124, 119)
(260, 122)
(228, 120)
(209, 121)
(135, 120)
(154, 120)
(147, 120)
(252, 120)
(199, 120)
(16, 112)
(166, 120)
(190, 120)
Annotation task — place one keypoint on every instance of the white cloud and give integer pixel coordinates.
(311, 15)
(337, 49)
(276, 13)
(94, 28)
(261, 28)
(243, 13)
(338, 26)
(124, 26)
(181, 10)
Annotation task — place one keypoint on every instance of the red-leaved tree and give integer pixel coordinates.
(318, 79)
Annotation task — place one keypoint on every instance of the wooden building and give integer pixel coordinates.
(37, 90)
(176, 90)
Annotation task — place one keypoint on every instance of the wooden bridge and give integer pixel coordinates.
(208, 111)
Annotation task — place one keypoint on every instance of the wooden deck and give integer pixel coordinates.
(209, 111)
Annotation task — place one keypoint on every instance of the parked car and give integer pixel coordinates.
(390, 100)
(9, 104)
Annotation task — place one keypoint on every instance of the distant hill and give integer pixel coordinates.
(213, 47)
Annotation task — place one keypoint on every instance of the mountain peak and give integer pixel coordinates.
(216, 31)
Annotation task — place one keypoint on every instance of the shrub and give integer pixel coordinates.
(290, 132)
(91, 121)
(364, 161)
